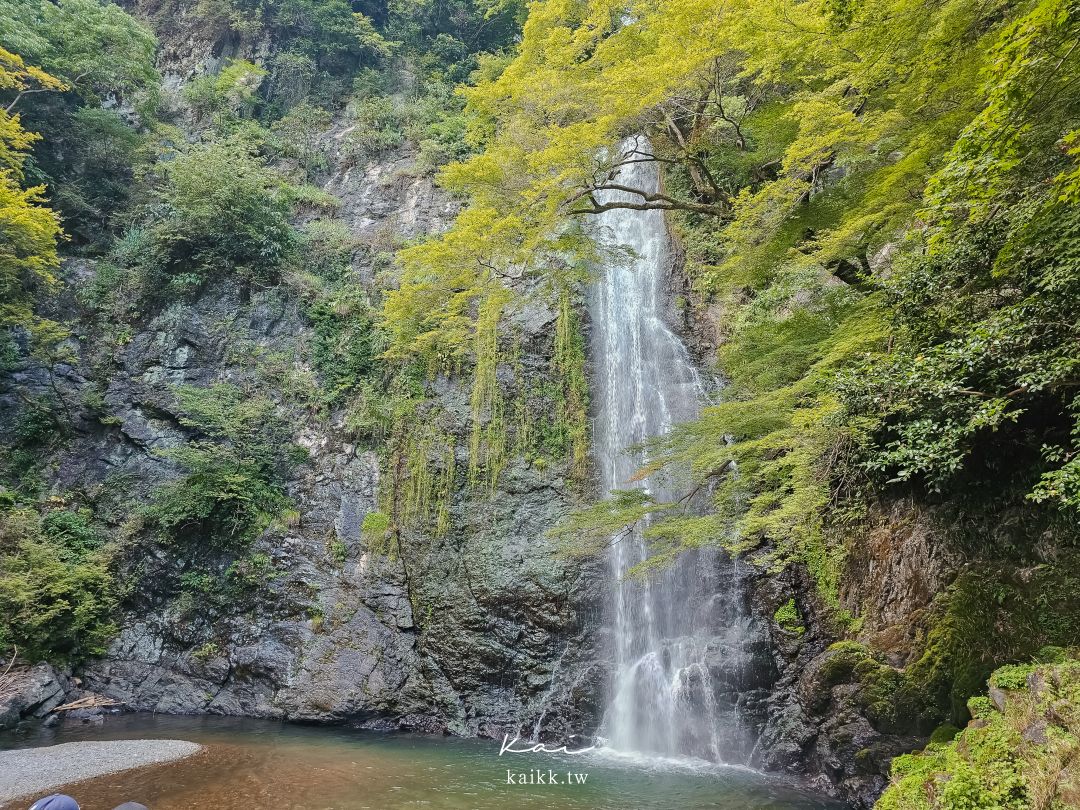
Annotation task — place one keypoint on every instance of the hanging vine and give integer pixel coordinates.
(488, 441)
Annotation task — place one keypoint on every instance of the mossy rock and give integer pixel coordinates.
(1017, 757)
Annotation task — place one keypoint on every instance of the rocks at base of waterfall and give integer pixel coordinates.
(36, 691)
(786, 738)
(817, 719)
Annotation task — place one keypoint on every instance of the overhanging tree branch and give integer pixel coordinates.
(650, 201)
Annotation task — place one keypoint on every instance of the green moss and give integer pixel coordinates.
(944, 733)
(998, 762)
(990, 616)
(788, 618)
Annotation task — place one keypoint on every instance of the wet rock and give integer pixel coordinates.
(94, 716)
(36, 692)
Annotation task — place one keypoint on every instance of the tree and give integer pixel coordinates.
(798, 143)
(29, 230)
(94, 46)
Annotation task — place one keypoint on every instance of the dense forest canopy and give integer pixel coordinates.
(884, 195)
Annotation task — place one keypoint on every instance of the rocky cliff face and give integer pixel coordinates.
(830, 714)
(482, 631)
(814, 691)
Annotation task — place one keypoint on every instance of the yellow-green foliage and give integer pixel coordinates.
(568, 366)
(1020, 758)
(429, 479)
(801, 142)
(488, 442)
(420, 475)
(57, 594)
(30, 229)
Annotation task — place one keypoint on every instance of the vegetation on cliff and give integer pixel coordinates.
(171, 190)
(880, 200)
(1019, 751)
(879, 205)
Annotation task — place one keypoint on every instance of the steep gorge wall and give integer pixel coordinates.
(461, 633)
(483, 629)
(826, 714)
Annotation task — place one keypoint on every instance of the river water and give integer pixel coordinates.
(265, 764)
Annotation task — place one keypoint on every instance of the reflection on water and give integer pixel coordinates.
(287, 767)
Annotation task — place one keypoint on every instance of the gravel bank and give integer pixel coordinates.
(37, 771)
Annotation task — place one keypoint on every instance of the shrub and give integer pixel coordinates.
(232, 488)
(376, 127)
(57, 595)
(299, 132)
(218, 209)
(223, 501)
(232, 92)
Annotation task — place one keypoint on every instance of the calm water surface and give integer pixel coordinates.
(253, 763)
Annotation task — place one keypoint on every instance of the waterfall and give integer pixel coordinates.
(678, 637)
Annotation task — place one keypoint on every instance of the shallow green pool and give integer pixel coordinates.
(251, 763)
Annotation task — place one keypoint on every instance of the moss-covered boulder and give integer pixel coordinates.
(1021, 750)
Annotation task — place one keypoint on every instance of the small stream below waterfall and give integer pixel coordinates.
(265, 764)
(687, 656)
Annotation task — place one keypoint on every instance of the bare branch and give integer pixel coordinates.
(651, 201)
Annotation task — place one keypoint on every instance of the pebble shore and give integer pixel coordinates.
(34, 772)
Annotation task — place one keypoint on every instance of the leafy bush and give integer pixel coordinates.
(57, 595)
(233, 92)
(998, 763)
(322, 38)
(39, 427)
(298, 133)
(376, 125)
(71, 532)
(233, 477)
(982, 372)
(347, 344)
(218, 209)
(222, 502)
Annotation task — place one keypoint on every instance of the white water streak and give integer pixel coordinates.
(664, 698)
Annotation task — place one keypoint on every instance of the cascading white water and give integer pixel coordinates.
(677, 636)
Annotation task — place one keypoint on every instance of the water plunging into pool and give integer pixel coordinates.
(678, 636)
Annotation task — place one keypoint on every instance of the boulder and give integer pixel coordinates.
(34, 692)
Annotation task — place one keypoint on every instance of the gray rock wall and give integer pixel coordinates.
(482, 631)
